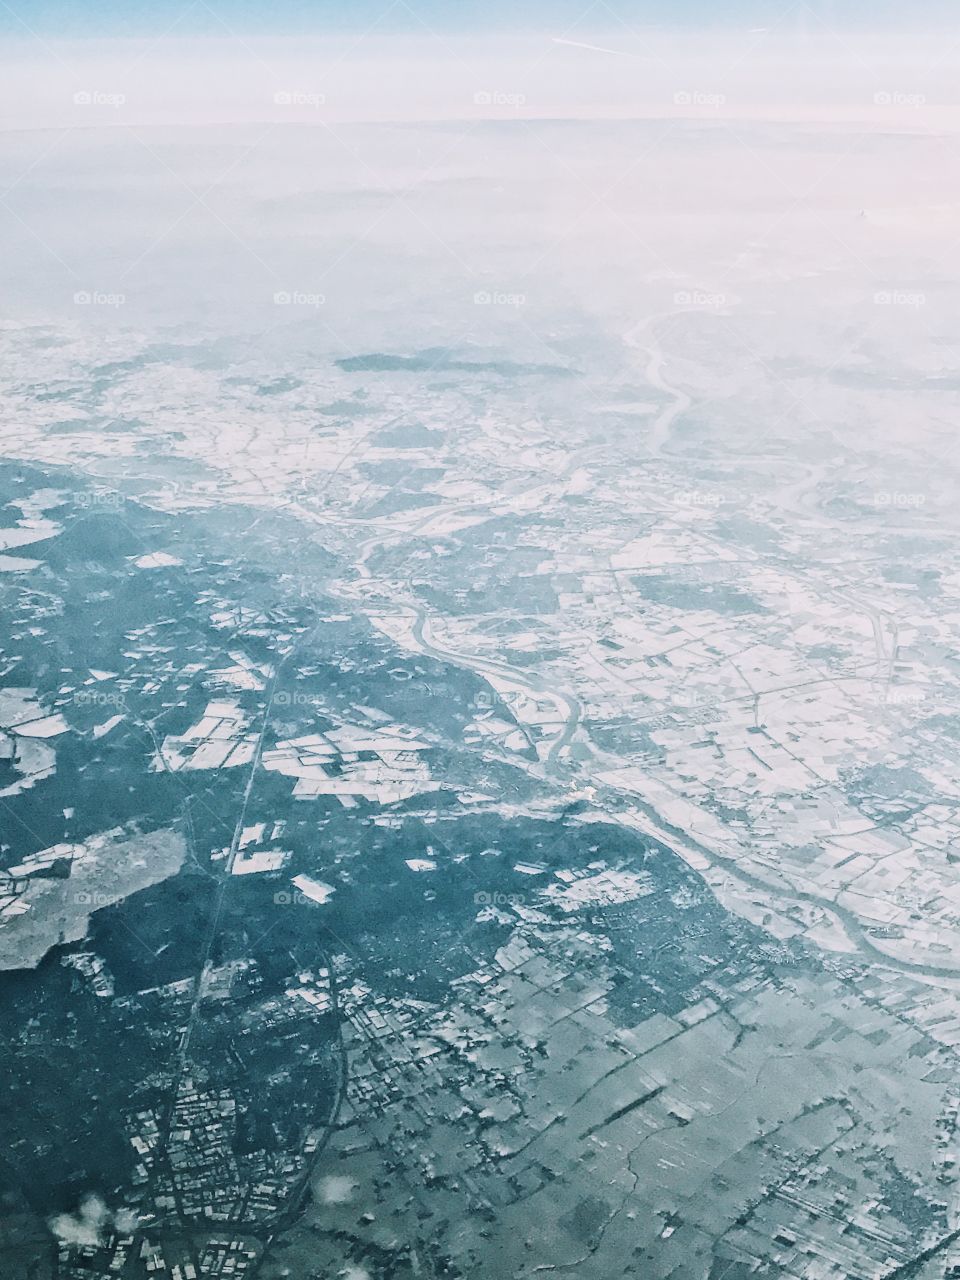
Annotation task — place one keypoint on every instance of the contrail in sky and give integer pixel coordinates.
(594, 48)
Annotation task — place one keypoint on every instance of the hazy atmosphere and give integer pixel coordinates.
(479, 686)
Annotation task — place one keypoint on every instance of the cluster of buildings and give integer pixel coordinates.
(776, 1110)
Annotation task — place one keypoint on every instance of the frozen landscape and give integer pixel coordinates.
(480, 665)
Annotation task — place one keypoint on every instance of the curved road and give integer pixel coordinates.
(489, 666)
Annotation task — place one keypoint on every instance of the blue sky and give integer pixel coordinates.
(98, 18)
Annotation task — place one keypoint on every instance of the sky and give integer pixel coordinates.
(98, 18)
(558, 71)
(202, 155)
(100, 63)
